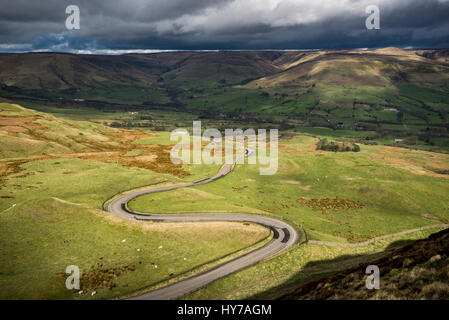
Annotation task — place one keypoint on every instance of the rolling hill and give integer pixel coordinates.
(416, 271)
(385, 94)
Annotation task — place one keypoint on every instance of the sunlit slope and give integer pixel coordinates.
(24, 132)
(27, 135)
(384, 68)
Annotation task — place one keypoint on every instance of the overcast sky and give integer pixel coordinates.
(116, 26)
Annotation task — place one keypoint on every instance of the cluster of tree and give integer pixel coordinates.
(333, 146)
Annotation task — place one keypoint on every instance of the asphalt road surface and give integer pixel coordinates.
(284, 237)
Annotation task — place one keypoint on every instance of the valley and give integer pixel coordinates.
(392, 96)
(363, 167)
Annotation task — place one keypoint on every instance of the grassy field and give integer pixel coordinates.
(397, 189)
(391, 189)
(56, 173)
(55, 176)
(39, 239)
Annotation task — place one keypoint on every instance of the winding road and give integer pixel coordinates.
(284, 237)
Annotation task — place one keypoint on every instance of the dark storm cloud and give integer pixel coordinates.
(221, 24)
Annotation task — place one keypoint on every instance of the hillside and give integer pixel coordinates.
(419, 270)
(27, 136)
(380, 95)
(55, 172)
(55, 176)
(48, 75)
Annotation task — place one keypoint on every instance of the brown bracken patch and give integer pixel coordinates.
(113, 149)
(417, 162)
(239, 188)
(329, 204)
(19, 124)
(352, 237)
(99, 277)
(10, 167)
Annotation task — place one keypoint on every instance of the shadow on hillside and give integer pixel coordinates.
(315, 270)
